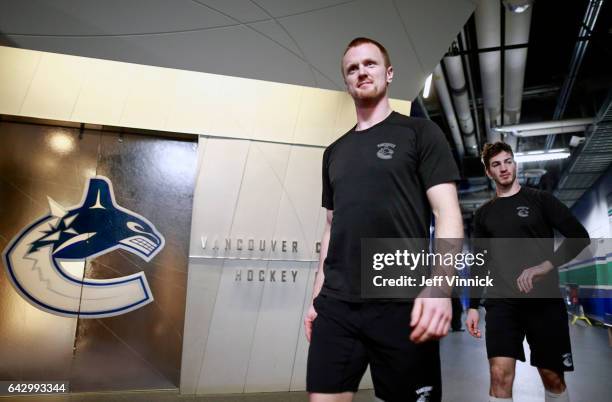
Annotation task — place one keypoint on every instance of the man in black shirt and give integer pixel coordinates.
(527, 269)
(382, 179)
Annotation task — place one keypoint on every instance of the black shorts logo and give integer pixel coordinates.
(424, 393)
(523, 212)
(567, 360)
(385, 150)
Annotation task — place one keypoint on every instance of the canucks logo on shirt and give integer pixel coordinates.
(424, 393)
(523, 212)
(385, 150)
(46, 260)
(567, 360)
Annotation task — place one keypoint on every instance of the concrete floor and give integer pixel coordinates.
(465, 370)
(464, 375)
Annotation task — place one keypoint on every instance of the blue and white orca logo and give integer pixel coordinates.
(46, 261)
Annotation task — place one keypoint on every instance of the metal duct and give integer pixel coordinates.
(591, 160)
(488, 36)
(546, 127)
(468, 71)
(447, 107)
(533, 173)
(584, 35)
(550, 131)
(456, 80)
(515, 60)
(473, 189)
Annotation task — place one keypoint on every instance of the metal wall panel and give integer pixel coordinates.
(204, 278)
(231, 330)
(219, 178)
(142, 349)
(298, 374)
(257, 219)
(151, 177)
(279, 319)
(37, 162)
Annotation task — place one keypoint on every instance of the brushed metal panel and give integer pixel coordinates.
(278, 326)
(298, 374)
(153, 177)
(202, 287)
(299, 206)
(261, 190)
(232, 329)
(219, 179)
(36, 162)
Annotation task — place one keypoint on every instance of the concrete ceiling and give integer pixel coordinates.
(289, 41)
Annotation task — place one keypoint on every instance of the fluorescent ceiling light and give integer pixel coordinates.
(427, 87)
(539, 156)
(517, 6)
(519, 9)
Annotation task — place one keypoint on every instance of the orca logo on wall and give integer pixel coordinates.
(46, 261)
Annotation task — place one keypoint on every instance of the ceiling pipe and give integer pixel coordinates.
(534, 173)
(546, 127)
(586, 27)
(443, 96)
(457, 84)
(476, 200)
(473, 189)
(517, 26)
(419, 101)
(466, 62)
(550, 131)
(488, 32)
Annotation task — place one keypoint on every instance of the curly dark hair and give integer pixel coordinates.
(490, 150)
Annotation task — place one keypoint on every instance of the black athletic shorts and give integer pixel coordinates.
(542, 321)
(346, 337)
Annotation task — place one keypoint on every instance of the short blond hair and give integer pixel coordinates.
(361, 41)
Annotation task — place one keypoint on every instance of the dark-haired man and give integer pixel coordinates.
(382, 179)
(524, 268)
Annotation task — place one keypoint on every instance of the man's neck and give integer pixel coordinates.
(508, 191)
(369, 115)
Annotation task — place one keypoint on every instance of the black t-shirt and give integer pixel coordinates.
(529, 214)
(375, 181)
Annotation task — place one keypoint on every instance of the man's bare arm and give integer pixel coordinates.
(445, 206)
(320, 275)
(431, 315)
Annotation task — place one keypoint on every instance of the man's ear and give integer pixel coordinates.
(487, 173)
(389, 74)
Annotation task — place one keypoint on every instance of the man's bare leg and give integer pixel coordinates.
(341, 397)
(502, 377)
(554, 383)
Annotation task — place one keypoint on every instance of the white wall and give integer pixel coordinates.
(86, 90)
(254, 181)
(240, 335)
